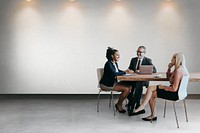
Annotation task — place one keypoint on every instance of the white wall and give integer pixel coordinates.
(55, 46)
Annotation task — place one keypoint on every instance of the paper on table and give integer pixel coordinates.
(134, 74)
(158, 76)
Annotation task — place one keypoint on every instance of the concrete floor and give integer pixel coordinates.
(80, 116)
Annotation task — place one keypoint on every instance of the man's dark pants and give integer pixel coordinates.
(135, 96)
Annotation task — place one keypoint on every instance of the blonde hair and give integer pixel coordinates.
(180, 60)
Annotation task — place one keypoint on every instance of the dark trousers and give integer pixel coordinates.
(135, 95)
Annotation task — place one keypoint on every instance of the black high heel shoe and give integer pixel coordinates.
(150, 119)
(120, 111)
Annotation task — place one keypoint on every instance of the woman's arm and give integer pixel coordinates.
(168, 73)
(178, 74)
(111, 69)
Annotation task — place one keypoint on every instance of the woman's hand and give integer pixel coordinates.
(170, 65)
(161, 86)
(128, 71)
(137, 71)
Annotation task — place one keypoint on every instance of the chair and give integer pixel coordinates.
(100, 72)
(182, 94)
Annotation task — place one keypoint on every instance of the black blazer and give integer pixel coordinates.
(145, 61)
(109, 76)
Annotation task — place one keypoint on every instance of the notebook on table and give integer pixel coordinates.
(146, 69)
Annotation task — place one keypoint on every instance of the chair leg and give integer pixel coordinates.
(98, 101)
(186, 116)
(113, 102)
(126, 100)
(110, 99)
(165, 108)
(175, 114)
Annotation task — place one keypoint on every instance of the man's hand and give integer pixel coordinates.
(128, 71)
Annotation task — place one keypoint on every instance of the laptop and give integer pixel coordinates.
(146, 69)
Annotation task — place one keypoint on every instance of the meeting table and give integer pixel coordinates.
(160, 76)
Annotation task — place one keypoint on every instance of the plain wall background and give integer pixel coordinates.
(55, 46)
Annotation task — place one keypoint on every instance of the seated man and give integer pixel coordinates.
(137, 86)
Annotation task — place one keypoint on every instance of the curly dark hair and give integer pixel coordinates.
(110, 51)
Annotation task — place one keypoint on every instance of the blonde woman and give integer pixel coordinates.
(167, 92)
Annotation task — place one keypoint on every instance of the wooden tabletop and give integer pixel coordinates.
(195, 77)
(161, 76)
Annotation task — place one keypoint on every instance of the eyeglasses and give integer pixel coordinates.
(140, 51)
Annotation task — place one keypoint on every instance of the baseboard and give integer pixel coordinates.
(193, 96)
(69, 96)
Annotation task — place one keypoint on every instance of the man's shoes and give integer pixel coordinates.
(151, 119)
(137, 113)
(130, 110)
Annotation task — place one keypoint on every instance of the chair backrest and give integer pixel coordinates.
(100, 72)
(182, 92)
